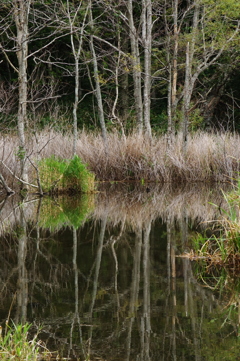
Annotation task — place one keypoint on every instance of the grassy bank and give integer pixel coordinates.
(208, 158)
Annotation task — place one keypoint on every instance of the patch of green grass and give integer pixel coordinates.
(15, 344)
(63, 175)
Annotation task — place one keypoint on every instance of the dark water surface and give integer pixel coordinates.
(103, 277)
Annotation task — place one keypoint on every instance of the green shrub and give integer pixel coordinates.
(62, 175)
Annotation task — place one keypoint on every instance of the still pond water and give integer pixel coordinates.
(103, 276)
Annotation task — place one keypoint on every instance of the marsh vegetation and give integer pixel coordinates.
(208, 158)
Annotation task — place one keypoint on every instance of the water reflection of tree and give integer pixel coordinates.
(22, 284)
(63, 289)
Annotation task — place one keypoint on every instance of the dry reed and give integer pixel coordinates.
(208, 158)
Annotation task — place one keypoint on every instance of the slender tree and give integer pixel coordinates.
(136, 66)
(96, 78)
(76, 26)
(147, 43)
(21, 13)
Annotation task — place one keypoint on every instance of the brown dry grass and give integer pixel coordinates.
(209, 157)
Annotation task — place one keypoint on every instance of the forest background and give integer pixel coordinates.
(148, 66)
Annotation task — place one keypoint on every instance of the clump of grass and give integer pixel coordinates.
(223, 249)
(16, 345)
(60, 175)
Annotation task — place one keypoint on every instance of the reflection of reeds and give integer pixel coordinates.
(124, 203)
(143, 205)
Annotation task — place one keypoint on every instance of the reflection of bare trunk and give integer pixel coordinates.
(193, 313)
(133, 305)
(22, 294)
(146, 320)
(116, 265)
(97, 269)
(172, 282)
(184, 237)
(76, 318)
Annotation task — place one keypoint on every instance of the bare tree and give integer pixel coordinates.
(76, 36)
(147, 43)
(136, 66)
(201, 47)
(21, 13)
(96, 78)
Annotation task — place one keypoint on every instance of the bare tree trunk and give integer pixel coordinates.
(136, 66)
(171, 128)
(76, 53)
(97, 82)
(189, 78)
(186, 100)
(21, 11)
(124, 83)
(147, 42)
(175, 58)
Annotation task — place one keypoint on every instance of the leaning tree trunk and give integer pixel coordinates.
(21, 11)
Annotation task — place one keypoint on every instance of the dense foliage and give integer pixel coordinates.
(83, 54)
